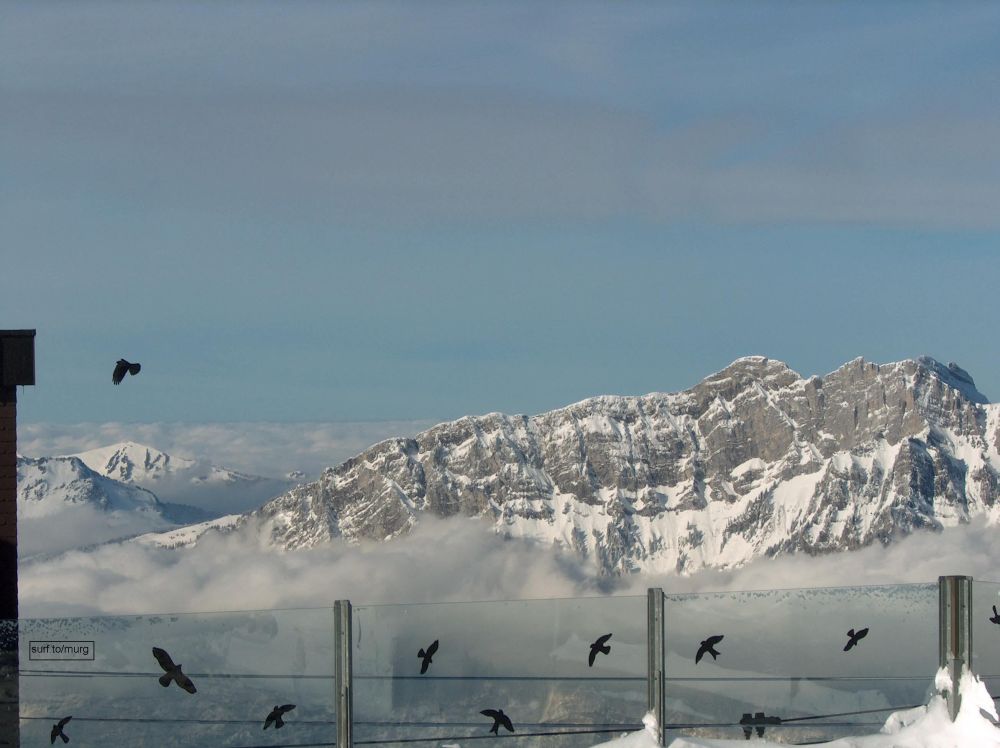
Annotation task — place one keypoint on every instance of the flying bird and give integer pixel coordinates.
(57, 730)
(172, 672)
(124, 366)
(499, 718)
(275, 716)
(854, 637)
(426, 656)
(995, 618)
(600, 645)
(708, 646)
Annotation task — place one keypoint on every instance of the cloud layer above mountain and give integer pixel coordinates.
(513, 112)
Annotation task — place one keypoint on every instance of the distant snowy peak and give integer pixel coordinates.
(62, 504)
(195, 482)
(49, 484)
(136, 463)
(755, 460)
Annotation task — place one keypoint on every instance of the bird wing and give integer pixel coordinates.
(713, 640)
(63, 721)
(164, 659)
(186, 683)
(133, 369)
(701, 653)
(269, 721)
(432, 648)
(120, 368)
(593, 655)
(602, 639)
(491, 713)
(286, 708)
(424, 665)
(505, 721)
(862, 633)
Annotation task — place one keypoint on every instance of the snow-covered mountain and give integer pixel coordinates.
(63, 504)
(753, 461)
(195, 482)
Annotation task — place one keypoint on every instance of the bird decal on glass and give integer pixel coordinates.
(758, 721)
(853, 637)
(426, 656)
(995, 618)
(172, 672)
(708, 647)
(275, 716)
(122, 368)
(601, 645)
(499, 718)
(57, 730)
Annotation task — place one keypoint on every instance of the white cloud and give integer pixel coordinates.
(78, 525)
(922, 557)
(442, 560)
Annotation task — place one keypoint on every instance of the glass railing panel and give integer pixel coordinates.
(986, 633)
(529, 658)
(783, 654)
(103, 672)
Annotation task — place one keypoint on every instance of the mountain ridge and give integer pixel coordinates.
(754, 460)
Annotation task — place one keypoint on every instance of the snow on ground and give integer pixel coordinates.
(187, 535)
(924, 727)
(644, 738)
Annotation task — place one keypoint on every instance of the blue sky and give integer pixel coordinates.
(377, 210)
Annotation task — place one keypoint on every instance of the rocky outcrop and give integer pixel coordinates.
(754, 460)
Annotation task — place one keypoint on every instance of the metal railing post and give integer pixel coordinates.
(955, 633)
(343, 673)
(656, 658)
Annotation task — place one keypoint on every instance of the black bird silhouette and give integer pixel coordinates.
(499, 718)
(426, 656)
(124, 366)
(855, 637)
(172, 671)
(758, 721)
(600, 645)
(995, 618)
(275, 716)
(57, 730)
(708, 646)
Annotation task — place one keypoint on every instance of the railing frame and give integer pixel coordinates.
(343, 673)
(954, 634)
(656, 650)
(954, 640)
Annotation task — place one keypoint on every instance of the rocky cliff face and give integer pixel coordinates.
(753, 461)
